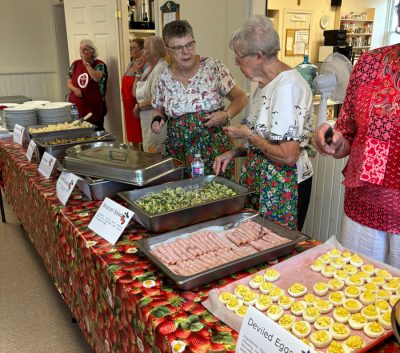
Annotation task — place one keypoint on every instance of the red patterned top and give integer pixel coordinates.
(368, 119)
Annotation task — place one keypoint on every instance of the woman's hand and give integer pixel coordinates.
(332, 149)
(222, 161)
(157, 125)
(216, 119)
(136, 110)
(77, 92)
(238, 131)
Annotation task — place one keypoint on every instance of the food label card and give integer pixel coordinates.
(47, 164)
(259, 334)
(18, 134)
(30, 150)
(65, 184)
(110, 220)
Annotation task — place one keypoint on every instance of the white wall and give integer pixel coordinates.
(28, 60)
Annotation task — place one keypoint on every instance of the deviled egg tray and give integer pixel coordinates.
(368, 291)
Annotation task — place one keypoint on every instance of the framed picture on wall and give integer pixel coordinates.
(169, 12)
(296, 40)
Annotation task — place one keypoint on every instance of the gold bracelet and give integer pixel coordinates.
(228, 115)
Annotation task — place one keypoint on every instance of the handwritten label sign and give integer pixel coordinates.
(18, 134)
(110, 220)
(47, 164)
(65, 184)
(30, 150)
(259, 334)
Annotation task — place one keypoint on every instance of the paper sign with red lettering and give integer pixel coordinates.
(110, 220)
(47, 164)
(259, 333)
(30, 150)
(18, 134)
(65, 184)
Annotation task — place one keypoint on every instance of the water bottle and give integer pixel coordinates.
(74, 112)
(197, 166)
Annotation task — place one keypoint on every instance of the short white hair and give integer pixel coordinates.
(89, 43)
(257, 33)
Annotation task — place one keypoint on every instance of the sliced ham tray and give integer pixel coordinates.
(186, 282)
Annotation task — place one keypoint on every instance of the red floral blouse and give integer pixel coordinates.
(369, 120)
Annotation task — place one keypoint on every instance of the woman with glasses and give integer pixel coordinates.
(133, 72)
(367, 131)
(87, 82)
(189, 99)
(153, 54)
(277, 167)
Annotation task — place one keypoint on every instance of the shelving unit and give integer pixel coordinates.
(359, 27)
(134, 33)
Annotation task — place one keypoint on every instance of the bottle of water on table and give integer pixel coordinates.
(74, 112)
(197, 166)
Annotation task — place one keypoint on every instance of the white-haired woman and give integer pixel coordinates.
(87, 82)
(277, 167)
(154, 53)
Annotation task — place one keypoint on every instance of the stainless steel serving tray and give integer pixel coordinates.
(68, 133)
(119, 162)
(58, 150)
(165, 222)
(198, 279)
(99, 189)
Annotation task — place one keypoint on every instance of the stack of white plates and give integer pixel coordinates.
(53, 113)
(21, 114)
(36, 103)
(3, 106)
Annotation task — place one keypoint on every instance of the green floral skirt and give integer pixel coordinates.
(187, 135)
(274, 185)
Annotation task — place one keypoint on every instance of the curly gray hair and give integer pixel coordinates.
(89, 43)
(256, 34)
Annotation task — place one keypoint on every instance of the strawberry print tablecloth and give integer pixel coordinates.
(121, 302)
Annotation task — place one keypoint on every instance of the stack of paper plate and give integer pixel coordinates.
(2, 107)
(21, 114)
(53, 113)
(35, 103)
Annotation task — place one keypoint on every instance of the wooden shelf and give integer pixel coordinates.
(147, 31)
(358, 34)
(363, 47)
(351, 20)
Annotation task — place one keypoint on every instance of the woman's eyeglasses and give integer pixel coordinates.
(179, 48)
(238, 59)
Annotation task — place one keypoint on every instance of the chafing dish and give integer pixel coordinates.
(99, 189)
(192, 281)
(182, 217)
(119, 162)
(45, 144)
(78, 131)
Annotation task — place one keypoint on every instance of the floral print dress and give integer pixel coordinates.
(280, 111)
(186, 108)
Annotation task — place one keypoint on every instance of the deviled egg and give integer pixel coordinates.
(234, 303)
(334, 253)
(321, 339)
(310, 314)
(263, 302)
(328, 271)
(256, 281)
(240, 289)
(367, 297)
(351, 270)
(339, 331)
(341, 275)
(301, 329)
(317, 265)
(373, 329)
(379, 281)
(335, 347)
(309, 299)
(224, 297)
(391, 285)
(298, 308)
(352, 305)
(356, 260)
(274, 312)
(320, 288)
(369, 268)
(382, 305)
(353, 344)
(337, 263)
(370, 312)
(325, 258)
(335, 284)
(324, 306)
(383, 294)
(346, 256)
(372, 287)
(341, 314)
(385, 320)
(357, 321)
(336, 298)
(241, 310)
(249, 298)
(271, 275)
(323, 322)
(266, 287)
(287, 321)
(382, 273)
(276, 293)
(354, 280)
(394, 299)
(352, 291)
(285, 302)
(297, 290)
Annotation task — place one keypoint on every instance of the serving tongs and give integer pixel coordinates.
(235, 224)
(86, 117)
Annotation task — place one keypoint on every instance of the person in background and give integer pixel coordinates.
(368, 132)
(87, 82)
(277, 167)
(189, 97)
(133, 71)
(154, 53)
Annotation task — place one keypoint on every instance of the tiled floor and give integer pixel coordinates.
(33, 316)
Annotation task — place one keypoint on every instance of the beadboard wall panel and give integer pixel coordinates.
(37, 86)
(325, 213)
